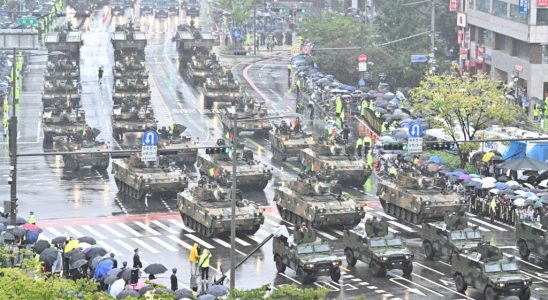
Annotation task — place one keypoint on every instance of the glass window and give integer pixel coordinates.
(489, 268)
(489, 38)
(394, 242)
(378, 243)
(322, 248)
(523, 50)
(457, 235)
(545, 54)
(500, 8)
(305, 249)
(473, 235)
(511, 266)
(482, 5)
(516, 16)
(542, 16)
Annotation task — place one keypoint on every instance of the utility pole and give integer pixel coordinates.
(13, 146)
(233, 204)
(432, 37)
(254, 27)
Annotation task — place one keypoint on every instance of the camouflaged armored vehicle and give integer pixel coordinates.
(251, 174)
(65, 40)
(305, 253)
(84, 141)
(532, 237)
(374, 245)
(259, 127)
(220, 87)
(206, 208)
(62, 67)
(486, 270)
(319, 203)
(182, 149)
(127, 119)
(189, 41)
(61, 92)
(287, 143)
(60, 122)
(136, 179)
(417, 198)
(337, 161)
(452, 235)
(131, 65)
(131, 88)
(192, 8)
(200, 66)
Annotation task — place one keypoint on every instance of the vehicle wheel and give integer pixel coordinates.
(350, 259)
(208, 103)
(428, 249)
(525, 295)
(336, 274)
(303, 277)
(415, 219)
(377, 269)
(490, 293)
(460, 284)
(407, 268)
(523, 249)
(280, 266)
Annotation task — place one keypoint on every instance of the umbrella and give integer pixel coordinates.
(501, 186)
(71, 245)
(432, 167)
(520, 192)
(128, 293)
(94, 251)
(155, 269)
(17, 232)
(524, 163)
(512, 183)
(519, 202)
(77, 264)
(489, 179)
(488, 185)
(49, 255)
(464, 177)
(472, 183)
(101, 270)
(59, 240)
(207, 297)
(87, 239)
(112, 275)
(475, 175)
(487, 156)
(40, 246)
(218, 290)
(94, 262)
(32, 227)
(20, 221)
(8, 236)
(4, 220)
(494, 191)
(126, 274)
(84, 245)
(75, 255)
(117, 287)
(183, 293)
(436, 160)
(31, 236)
(503, 178)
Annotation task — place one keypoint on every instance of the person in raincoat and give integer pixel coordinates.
(493, 208)
(204, 263)
(338, 106)
(193, 257)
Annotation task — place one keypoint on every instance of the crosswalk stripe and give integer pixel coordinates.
(146, 227)
(487, 224)
(164, 244)
(55, 232)
(267, 220)
(111, 230)
(242, 242)
(179, 241)
(94, 232)
(385, 215)
(147, 246)
(327, 235)
(74, 231)
(200, 241)
(181, 225)
(129, 229)
(393, 230)
(125, 245)
(108, 248)
(164, 227)
(274, 216)
(479, 227)
(406, 228)
(43, 236)
(255, 238)
(338, 232)
(221, 242)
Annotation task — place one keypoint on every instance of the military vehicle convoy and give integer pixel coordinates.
(452, 235)
(190, 41)
(374, 245)
(173, 7)
(182, 149)
(337, 161)
(415, 198)
(206, 208)
(128, 123)
(117, 7)
(86, 141)
(200, 66)
(220, 87)
(192, 8)
(147, 7)
(287, 143)
(251, 174)
(532, 237)
(259, 127)
(486, 270)
(60, 122)
(305, 253)
(131, 64)
(135, 178)
(318, 203)
(161, 10)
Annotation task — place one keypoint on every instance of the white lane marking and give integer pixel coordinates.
(94, 232)
(452, 291)
(129, 229)
(523, 261)
(111, 230)
(267, 220)
(164, 227)
(43, 236)
(327, 235)
(178, 241)
(125, 245)
(108, 247)
(256, 239)
(479, 227)
(435, 271)
(242, 242)
(181, 225)
(146, 227)
(55, 232)
(277, 217)
(147, 246)
(385, 215)
(227, 245)
(529, 274)
(406, 228)
(164, 244)
(337, 231)
(200, 241)
(74, 231)
(297, 282)
(487, 224)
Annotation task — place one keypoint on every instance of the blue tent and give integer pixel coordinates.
(539, 152)
(515, 150)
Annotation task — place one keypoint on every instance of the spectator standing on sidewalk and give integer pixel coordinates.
(32, 218)
(204, 263)
(193, 257)
(137, 260)
(174, 284)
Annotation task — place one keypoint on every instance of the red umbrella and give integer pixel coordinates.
(32, 227)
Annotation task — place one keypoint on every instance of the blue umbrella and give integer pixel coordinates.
(102, 269)
(449, 174)
(500, 186)
(436, 160)
(458, 173)
(31, 236)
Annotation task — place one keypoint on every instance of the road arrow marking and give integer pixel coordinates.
(447, 282)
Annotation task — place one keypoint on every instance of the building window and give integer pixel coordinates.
(500, 8)
(502, 43)
(545, 54)
(523, 50)
(482, 5)
(542, 16)
(516, 16)
(489, 38)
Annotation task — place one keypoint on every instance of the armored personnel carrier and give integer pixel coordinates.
(335, 160)
(287, 143)
(147, 7)
(305, 253)
(206, 208)
(131, 88)
(374, 245)
(251, 174)
(182, 149)
(60, 122)
(127, 119)
(61, 67)
(173, 7)
(487, 270)
(319, 203)
(259, 127)
(417, 198)
(117, 7)
(85, 141)
(67, 41)
(200, 66)
(131, 65)
(190, 41)
(161, 10)
(57, 91)
(452, 235)
(135, 178)
(192, 8)
(532, 237)
(220, 87)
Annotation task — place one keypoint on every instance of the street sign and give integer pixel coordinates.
(362, 67)
(414, 145)
(415, 130)
(150, 138)
(518, 68)
(149, 153)
(523, 7)
(362, 58)
(27, 21)
(236, 33)
(419, 58)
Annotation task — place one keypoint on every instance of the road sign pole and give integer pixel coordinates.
(233, 203)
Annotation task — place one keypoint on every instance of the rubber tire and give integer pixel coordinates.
(303, 277)
(350, 258)
(377, 269)
(336, 274)
(526, 295)
(523, 249)
(407, 268)
(460, 284)
(429, 251)
(490, 294)
(280, 266)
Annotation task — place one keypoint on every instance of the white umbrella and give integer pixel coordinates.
(488, 185)
(489, 179)
(478, 179)
(519, 202)
(494, 191)
(533, 198)
(117, 287)
(511, 183)
(544, 184)
(520, 192)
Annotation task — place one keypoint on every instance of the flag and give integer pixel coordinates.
(217, 172)
(211, 171)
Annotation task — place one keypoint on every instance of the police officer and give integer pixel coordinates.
(289, 68)
(338, 106)
(366, 143)
(359, 146)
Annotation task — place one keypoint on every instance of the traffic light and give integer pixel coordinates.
(217, 150)
(393, 147)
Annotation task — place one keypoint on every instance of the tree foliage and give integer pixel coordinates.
(239, 9)
(284, 292)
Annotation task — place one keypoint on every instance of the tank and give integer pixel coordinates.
(147, 7)
(251, 174)
(130, 65)
(192, 8)
(220, 87)
(259, 128)
(287, 143)
(416, 198)
(136, 89)
(84, 140)
(117, 7)
(336, 160)
(200, 66)
(62, 67)
(182, 149)
(135, 179)
(189, 41)
(317, 202)
(131, 120)
(65, 40)
(61, 92)
(60, 122)
(206, 208)
(161, 9)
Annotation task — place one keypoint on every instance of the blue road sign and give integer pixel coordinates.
(419, 58)
(236, 33)
(415, 130)
(523, 7)
(150, 138)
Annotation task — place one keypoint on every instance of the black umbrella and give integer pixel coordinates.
(525, 163)
(87, 239)
(127, 293)
(183, 293)
(4, 220)
(95, 251)
(59, 240)
(40, 246)
(8, 236)
(49, 255)
(77, 264)
(18, 232)
(75, 255)
(112, 275)
(93, 262)
(20, 221)
(155, 269)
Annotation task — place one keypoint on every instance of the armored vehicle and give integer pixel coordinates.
(147, 7)
(60, 122)
(61, 67)
(61, 91)
(161, 10)
(200, 66)
(250, 174)
(335, 160)
(532, 237)
(182, 149)
(132, 88)
(220, 87)
(128, 38)
(452, 235)
(86, 141)
(173, 7)
(487, 270)
(67, 41)
(130, 66)
(206, 208)
(259, 127)
(117, 7)
(374, 245)
(136, 179)
(131, 119)
(192, 8)
(287, 143)
(305, 253)
(319, 203)
(417, 198)
(189, 41)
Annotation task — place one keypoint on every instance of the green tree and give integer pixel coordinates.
(462, 106)
(240, 10)
(284, 292)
